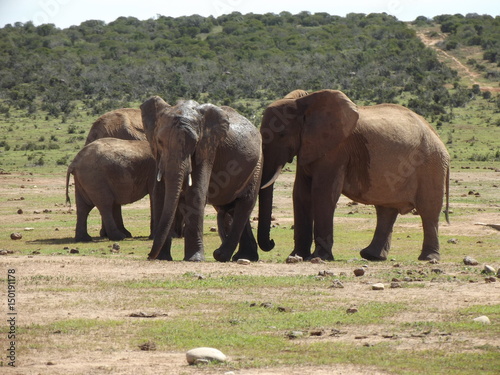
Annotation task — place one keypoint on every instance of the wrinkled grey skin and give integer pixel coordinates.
(123, 123)
(126, 123)
(385, 155)
(109, 173)
(211, 155)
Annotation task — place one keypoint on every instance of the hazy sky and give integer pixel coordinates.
(64, 13)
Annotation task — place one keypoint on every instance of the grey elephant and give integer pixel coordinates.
(109, 173)
(123, 123)
(385, 155)
(212, 155)
(126, 123)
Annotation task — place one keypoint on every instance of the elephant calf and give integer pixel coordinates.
(108, 173)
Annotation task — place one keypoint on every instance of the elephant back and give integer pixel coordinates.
(124, 123)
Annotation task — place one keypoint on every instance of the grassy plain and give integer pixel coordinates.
(104, 312)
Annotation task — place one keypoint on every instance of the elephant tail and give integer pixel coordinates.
(447, 209)
(68, 173)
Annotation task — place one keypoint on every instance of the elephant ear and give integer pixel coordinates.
(150, 111)
(214, 129)
(329, 118)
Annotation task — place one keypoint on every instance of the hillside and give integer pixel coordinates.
(54, 83)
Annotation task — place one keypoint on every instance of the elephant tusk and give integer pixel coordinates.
(159, 175)
(274, 178)
(190, 180)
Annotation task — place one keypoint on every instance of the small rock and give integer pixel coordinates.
(378, 286)
(266, 305)
(200, 355)
(352, 310)
(359, 271)
(20, 212)
(326, 273)
(395, 285)
(244, 262)
(437, 271)
(295, 334)
(453, 241)
(116, 246)
(29, 229)
(284, 309)
(482, 319)
(489, 270)
(148, 346)
(337, 284)
(317, 260)
(468, 261)
(213, 229)
(491, 279)
(3, 252)
(74, 251)
(294, 259)
(433, 261)
(16, 236)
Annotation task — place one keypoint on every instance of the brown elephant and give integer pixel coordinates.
(109, 173)
(212, 155)
(385, 155)
(123, 123)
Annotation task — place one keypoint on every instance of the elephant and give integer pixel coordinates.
(126, 123)
(211, 155)
(383, 155)
(123, 123)
(109, 173)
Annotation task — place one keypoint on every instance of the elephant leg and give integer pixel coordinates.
(324, 203)
(117, 214)
(165, 253)
(248, 245)
(82, 212)
(302, 215)
(193, 211)
(381, 242)
(242, 211)
(430, 224)
(108, 220)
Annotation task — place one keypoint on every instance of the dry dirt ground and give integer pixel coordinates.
(41, 304)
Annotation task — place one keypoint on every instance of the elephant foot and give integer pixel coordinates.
(222, 256)
(429, 255)
(196, 257)
(251, 256)
(323, 255)
(369, 253)
(165, 256)
(117, 236)
(306, 255)
(83, 238)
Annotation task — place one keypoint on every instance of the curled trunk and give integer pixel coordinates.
(265, 210)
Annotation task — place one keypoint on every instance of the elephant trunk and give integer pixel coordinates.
(173, 188)
(265, 209)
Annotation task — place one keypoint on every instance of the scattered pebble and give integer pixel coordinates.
(325, 273)
(317, 260)
(29, 229)
(482, 319)
(489, 270)
(213, 229)
(294, 259)
(16, 236)
(204, 355)
(148, 346)
(395, 285)
(74, 251)
(116, 246)
(352, 310)
(337, 284)
(295, 334)
(468, 261)
(378, 286)
(491, 279)
(20, 211)
(359, 271)
(453, 241)
(244, 262)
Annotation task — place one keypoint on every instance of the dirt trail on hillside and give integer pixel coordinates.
(462, 69)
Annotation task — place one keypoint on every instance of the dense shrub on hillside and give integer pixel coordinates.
(373, 58)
